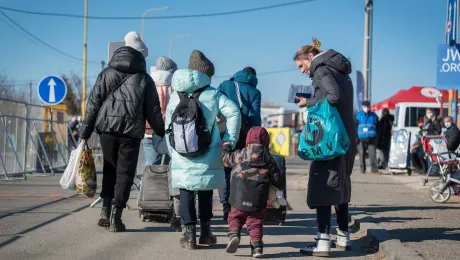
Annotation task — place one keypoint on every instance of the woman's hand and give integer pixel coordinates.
(302, 101)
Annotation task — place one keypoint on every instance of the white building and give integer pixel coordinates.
(274, 115)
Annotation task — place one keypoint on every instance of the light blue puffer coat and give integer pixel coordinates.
(207, 171)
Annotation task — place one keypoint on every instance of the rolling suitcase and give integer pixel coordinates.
(273, 214)
(154, 200)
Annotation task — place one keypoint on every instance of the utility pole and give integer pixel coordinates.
(102, 65)
(30, 93)
(85, 47)
(367, 57)
(452, 35)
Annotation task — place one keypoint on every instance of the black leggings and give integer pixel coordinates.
(323, 216)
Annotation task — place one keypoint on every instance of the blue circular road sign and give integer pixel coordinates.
(52, 90)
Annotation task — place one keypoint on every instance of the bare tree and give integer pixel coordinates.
(6, 87)
(72, 102)
(77, 84)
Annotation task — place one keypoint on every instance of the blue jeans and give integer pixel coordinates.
(224, 193)
(152, 157)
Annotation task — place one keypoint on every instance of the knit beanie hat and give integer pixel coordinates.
(165, 63)
(133, 40)
(200, 63)
(258, 135)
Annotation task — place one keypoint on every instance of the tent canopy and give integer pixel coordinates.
(412, 94)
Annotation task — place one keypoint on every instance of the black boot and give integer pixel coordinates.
(116, 225)
(226, 211)
(188, 240)
(206, 236)
(104, 221)
(257, 249)
(233, 241)
(176, 225)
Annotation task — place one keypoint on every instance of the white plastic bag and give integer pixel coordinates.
(68, 178)
(276, 197)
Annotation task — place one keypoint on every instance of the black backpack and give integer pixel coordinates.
(188, 132)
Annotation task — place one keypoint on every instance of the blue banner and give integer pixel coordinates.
(448, 69)
(359, 89)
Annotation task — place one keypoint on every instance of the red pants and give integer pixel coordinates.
(254, 222)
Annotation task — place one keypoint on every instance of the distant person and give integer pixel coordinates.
(416, 152)
(241, 89)
(204, 173)
(329, 71)
(367, 136)
(122, 99)
(431, 124)
(384, 134)
(452, 134)
(253, 171)
(74, 127)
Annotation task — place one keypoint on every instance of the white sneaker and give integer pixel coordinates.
(343, 240)
(322, 247)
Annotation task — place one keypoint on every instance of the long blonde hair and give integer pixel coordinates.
(302, 52)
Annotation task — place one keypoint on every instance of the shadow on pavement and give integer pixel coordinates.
(380, 209)
(150, 229)
(37, 206)
(396, 219)
(20, 234)
(423, 234)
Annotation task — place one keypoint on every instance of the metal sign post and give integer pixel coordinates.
(451, 39)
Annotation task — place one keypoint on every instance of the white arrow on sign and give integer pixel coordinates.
(450, 11)
(52, 84)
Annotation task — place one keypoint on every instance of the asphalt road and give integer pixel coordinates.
(39, 220)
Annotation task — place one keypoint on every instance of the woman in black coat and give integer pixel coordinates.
(329, 181)
(384, 133)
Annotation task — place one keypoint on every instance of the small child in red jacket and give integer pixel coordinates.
(253, 170)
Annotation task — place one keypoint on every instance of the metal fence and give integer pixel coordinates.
(35, 140)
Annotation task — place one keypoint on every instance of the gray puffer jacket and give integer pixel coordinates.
(329, 181)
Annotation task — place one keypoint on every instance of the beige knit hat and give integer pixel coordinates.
(200, 63)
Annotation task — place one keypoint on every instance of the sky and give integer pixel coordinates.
(405, 38)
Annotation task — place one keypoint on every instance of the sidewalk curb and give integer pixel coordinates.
(393, 249)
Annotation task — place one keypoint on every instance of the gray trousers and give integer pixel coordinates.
(176, 206)
(370, 145)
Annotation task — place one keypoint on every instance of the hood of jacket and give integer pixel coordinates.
(246, 77)
(162, 77)
(258, 155)
(332, 59)
(189, 81)
(388, 118)
(128, 60)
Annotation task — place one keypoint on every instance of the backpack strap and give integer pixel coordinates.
(184, 96)
(238, 94)
(198, 92)
(196, 95)
(113, 91)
